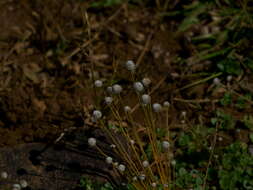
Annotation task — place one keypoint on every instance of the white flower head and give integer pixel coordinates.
(127, 109)
(145, 163)
(16, 186)
(113, 146)
(92, 141)
(165, 185)
(4, 175)
(138, 87)
(165, 144)
(122, 167)
(157, 107)
(142, 177)
(130, 65)
(132, 141)
(166, 104)
(146, 82)
(134, 178)
(98, 83)
(116, 89)
(109, 89)
(183, 113)
(153, 184)
(108, 160)
(173, 162)
(146, 99)
(23, 183)
(97, 114)
(216, 81)
(229, 78)
(108, 100)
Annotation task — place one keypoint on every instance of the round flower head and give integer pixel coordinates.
(98, 83)
(127, 109)
(122, 167)
(134, 178)
(183, 113)
(229, 78)
(146, 99)
(92, 141)
(138, 87)
(116, 89)
(165, 185)
(23, 183)
(173, 162)
(4, 175)
(130, 65)
(97, 114)
(216, 81)
(153, 184)
(145, 163)
(109, 89)
(108, 100)
(108, 160)
(165, 144)
(113, 146)
(16, 187)
(142, 177)
(157, 107)
(132, 141)
(146, 82)
(166, 104)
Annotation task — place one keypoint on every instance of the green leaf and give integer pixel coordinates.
(251, 137)
(184, 139)
(230, 66)
(249, 63)
(227, 99)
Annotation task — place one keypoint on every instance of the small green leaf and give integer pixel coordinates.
(251, 137)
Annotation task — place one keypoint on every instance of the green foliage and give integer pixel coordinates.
(189, 179)
(230, 66)
(106, 3)
(248, 121)
(226, 120)
(227, 99)
(237, 168)
(242, 102)
(191, 13)
(87, 184)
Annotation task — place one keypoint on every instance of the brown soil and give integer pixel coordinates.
(47, 52)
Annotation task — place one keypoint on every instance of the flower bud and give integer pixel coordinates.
(23, 183)
(122, 167)
(92, 141)
(127, 109)
(130, 65)
(97, 114)
(146, 82)
(146, 99)
(4, 175)
(108, 160)
(108, 100)
(166, 104)
(165, 144)
(98, 83)
(116, 89)
(157, 107)
(138, 87)
(145, 163)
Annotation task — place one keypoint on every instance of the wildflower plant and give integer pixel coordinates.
(143, 164)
